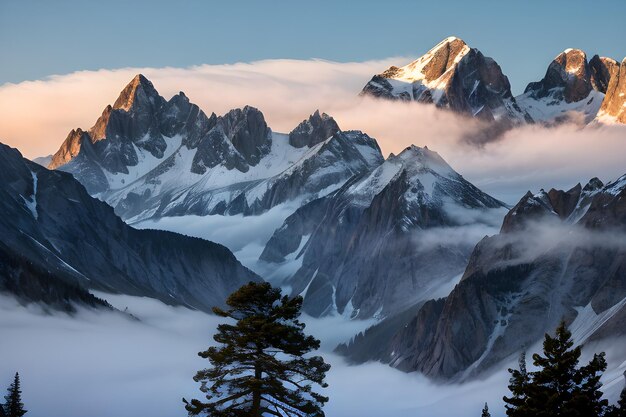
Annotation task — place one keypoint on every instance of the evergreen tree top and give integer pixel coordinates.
(259, 366)
(14, 406)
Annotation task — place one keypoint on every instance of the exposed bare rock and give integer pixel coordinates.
(614, 105)
(454, 76)
(316, 129)
(150, 157)
(571, 86)
(602, 70)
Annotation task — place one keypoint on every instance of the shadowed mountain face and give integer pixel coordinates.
(572, 86)
(559, 255)
(366, 251)
(56, 226)
(454, 76)
(148, 157)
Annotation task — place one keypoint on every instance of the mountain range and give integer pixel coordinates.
(454, 76)
(367, 236)
(148, 157)
(560, 255)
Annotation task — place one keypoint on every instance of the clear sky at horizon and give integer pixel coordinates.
(42, 38)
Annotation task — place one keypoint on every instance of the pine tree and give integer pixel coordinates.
(518, 385)
(559, 388)
(259, 366)
(485, 411)
(14, 406)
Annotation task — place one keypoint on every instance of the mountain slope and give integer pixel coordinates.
(150, 157)
(365, 251)
(559, 255)
(454, 76)
(572, 85)
(55, 226)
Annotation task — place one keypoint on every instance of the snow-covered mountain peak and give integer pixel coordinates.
(416, 158)
(432, 65)
(454, 76)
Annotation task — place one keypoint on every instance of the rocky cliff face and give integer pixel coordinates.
(55, 226)
(454, 76)
(613, 108)
(150, 157)
(364, 251)
(559, 253)
(316, 129)
(572, 85)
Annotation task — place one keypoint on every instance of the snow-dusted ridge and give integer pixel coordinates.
(148, 157)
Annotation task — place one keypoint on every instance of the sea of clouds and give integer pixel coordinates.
(105, 364)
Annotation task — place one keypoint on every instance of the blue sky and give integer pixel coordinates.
(41, 38)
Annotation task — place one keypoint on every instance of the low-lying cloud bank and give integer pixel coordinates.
(105, 364)
(37, 115)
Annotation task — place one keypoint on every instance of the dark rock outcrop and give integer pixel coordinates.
(316, 129)
(602, 70)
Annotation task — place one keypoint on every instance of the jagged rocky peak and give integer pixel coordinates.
(572, 85)
(69, 149)
(557, 204)
(568, 77)
(139, 92)
(247, 130)
(316, 129)
(614, 105)
(593, 185)
(434, 63)
(454, 76)
(602, 70)
(133, 121)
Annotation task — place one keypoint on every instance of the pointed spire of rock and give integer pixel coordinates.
(568, 78)
(138, 91)
(593, 185)
(602, 70)
(69, 149)
(316, 129)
